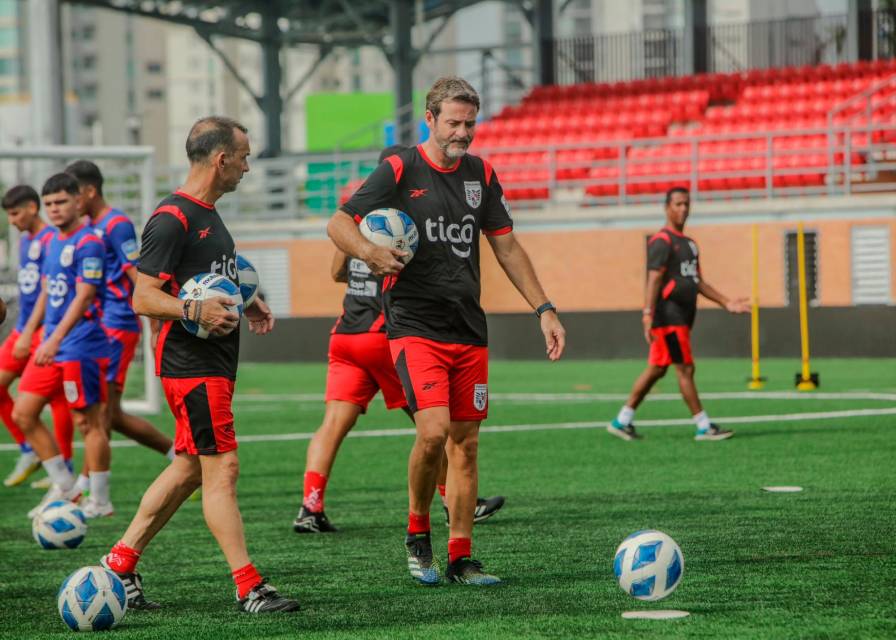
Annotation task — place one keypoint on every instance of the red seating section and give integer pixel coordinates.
(600, 119)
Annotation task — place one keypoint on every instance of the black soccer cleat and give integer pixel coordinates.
(423, 567)
(133, 589)
(469, 571)
(626, 432)
(312, 522)
(485, 509)
(715, 432)
(263, 598)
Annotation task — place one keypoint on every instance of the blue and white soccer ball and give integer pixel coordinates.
(92, 599)
(393, 229)
(59, 525)
(248, 278)
(648, 565)
(205, 286)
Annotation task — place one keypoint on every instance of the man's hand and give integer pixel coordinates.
(218, 316)
(46, 352)
(383, 261)
(261, 320)
(647, 322)
(738, 305)
(554, 335)
(22, 347)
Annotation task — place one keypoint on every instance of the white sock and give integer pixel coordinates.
(99, 486)
(83, 483)
(702, 421)
(625, 416)
(59, 473)
(170, 454)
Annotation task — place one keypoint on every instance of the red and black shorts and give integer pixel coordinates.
(122, 345)
(360, 364)
(440, 374)
(671, 345)
(7, 361)
(203, 414)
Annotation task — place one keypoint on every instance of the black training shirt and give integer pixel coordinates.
(675, 256)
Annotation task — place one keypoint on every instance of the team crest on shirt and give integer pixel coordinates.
(473, 192)
(480, 396)
(67, 255)
(34, 250)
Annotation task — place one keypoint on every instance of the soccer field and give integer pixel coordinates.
(816, 564)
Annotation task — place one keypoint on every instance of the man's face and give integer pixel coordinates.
(22, 216)
(678, 208)
(88, 193)
(453, 129)
(232, 166)
(62, 208)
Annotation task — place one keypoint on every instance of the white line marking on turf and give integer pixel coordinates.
(558, 426)
(783, 489)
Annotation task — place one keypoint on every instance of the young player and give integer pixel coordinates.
(186, 237)
(119, 320)
(72, 356)
(674, 280)
(360, 364)
(22, 205)
(435, 324)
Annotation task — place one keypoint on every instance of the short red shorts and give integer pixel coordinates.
(203, 415)
(7, 361)
(122, 345)
(83, 382)
(360, 364)
(439, 374)
(671, 345)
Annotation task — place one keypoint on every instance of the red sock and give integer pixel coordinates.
(6, 404)
(122, 558)
(246, 579)
(441, 489)
(459, 548)
(418, 524)
(315, 486)
(62, 425)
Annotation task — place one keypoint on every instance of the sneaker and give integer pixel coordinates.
(423, 567)
(715, 432)
(133, 589)
(263, 598)
(43, 484)
(626, 432)
(312, 522)
(27, 464)
(485, 509)
(469, 571)
(95, 509)
(55, 493)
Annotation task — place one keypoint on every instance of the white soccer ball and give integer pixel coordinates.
(648, 565)
(59, 525)
(393, 229)
(248, 277)
(205, 286)
(92, 599)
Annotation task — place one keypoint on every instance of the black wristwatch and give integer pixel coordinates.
(547, 306)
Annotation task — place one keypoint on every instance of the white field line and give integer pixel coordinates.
(558, 426)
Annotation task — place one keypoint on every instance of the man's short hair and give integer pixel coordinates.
(61, 182)
(671, 192)
(450, 88)
(86, 172)
(211, 134)
(19, 195)
(391, 151)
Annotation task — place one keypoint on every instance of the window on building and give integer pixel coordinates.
(155, 94)
(871, 266)
(153, 67)
(88, 62)
(87, 92)
(792, 284)
(88, 31)
(8, 66)
(9, 37)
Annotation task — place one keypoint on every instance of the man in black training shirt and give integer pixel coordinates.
(186, 237)
(674, 280)
(435, 325)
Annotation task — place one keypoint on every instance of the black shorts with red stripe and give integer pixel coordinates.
(203, 414)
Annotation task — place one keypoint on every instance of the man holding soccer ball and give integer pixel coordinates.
(186, 237)
(436, 327)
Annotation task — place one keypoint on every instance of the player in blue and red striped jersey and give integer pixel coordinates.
(22, 205)
(119, 320)
(73, 355)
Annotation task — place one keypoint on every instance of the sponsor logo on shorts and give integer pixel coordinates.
(480, 396)
(429, 386)
(70, 387)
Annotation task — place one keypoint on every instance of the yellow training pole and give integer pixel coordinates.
(756, 380)
(805, 380)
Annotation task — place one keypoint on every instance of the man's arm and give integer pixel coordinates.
(651, 293)
(345, 235)
(738, 305)
(516, 264)
(22, 347)
(212, 314)
(339, 267)
(84, 295)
